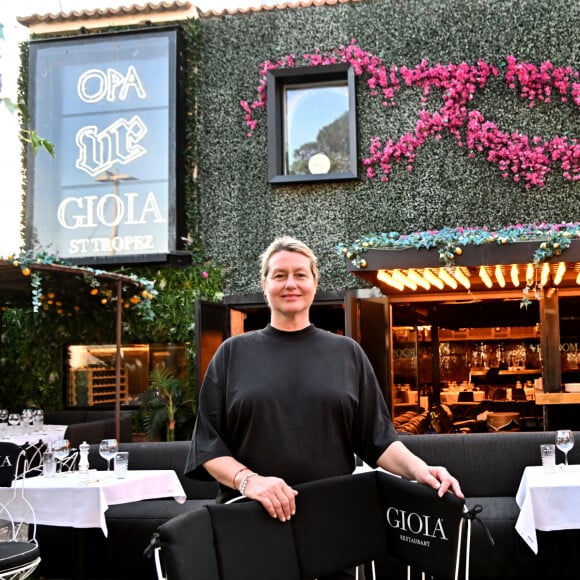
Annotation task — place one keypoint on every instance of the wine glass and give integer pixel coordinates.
(3, 421)
(27, 418)
(565, 442)
(14, 422)
(38, 419)
(60, 448)
(107, 450)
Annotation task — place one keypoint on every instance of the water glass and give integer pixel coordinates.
(548, 453)
(48, 464)
(121, 464)
(27, 419)
(38, 419)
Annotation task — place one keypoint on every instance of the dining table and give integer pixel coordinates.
(548, 501)
(45, 433)
(80, 501)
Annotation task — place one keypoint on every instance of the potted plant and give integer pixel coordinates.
(167, 404)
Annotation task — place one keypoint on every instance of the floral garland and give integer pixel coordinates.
(449, 242)
(519, 157)
(47, 299)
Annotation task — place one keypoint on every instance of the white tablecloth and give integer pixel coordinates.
(81, 501)
(548, 501)
(47, 433)
(451, 397)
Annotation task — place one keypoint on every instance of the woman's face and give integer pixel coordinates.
(290, 285)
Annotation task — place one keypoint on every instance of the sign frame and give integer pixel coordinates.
(114, 193)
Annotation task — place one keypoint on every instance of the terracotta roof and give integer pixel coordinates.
(269, 7)
(169, 11)
(162, 11)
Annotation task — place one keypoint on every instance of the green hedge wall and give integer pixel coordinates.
(241, 213)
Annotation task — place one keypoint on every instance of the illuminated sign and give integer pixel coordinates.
(109, 105)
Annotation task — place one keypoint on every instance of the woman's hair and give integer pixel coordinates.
(290, 245)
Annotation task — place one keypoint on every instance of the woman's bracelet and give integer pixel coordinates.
(245, 482)
(236, 475)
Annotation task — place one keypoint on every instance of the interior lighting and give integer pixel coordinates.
(447, 278)
(462, 278)
(398, 276)
(484, 277)
(530, 275)
(432, 279)
(560, 271)
(578, 279)
(418, 279)
(515, 275)
(389, 281)
(545, 273)
(499, 276)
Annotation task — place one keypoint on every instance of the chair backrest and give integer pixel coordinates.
(9, 461)
(465, 396)
(340, 522)
(19, 551)
(34, 455)
(423, 531)
(441, 419)
(499, 393)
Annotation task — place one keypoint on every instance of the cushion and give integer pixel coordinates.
(269, 553)
(16, 554)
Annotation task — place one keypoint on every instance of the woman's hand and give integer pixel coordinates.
(400, 460)
(438, 478)
(275, 495)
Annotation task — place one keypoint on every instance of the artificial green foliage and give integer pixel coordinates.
(242, 213)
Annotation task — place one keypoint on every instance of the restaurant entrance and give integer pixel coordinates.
(428, 351)
(495, 326)
(468, 350)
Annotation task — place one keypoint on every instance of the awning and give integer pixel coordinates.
(478, 268)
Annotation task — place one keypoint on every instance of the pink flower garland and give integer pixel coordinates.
(518, 156)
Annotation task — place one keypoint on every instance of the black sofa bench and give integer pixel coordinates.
(91, 426)
(488, 465)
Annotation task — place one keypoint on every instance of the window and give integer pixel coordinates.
(311, 124)
(92, 371)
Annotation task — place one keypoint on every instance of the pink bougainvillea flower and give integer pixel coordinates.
(518, 157)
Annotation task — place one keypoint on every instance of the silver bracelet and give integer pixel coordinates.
(245, 482)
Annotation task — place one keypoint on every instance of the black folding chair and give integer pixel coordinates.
(340, 523)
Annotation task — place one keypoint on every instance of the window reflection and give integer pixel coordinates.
(316, 131)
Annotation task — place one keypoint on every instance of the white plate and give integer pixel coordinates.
(572, 387)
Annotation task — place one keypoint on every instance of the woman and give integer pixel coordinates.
(292, 403)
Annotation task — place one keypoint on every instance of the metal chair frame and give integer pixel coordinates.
(21, 544)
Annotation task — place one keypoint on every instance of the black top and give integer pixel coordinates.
(296, 405)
